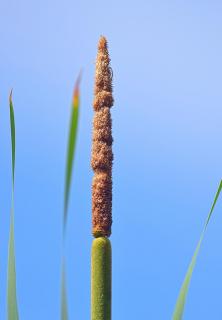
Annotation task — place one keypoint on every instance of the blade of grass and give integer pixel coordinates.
(64, 300)
(64, 307)
(179, 308)
(12, 305)
(71, 146)
(69, 166)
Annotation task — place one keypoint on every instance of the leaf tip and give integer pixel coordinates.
(10, 96)
(76, 90)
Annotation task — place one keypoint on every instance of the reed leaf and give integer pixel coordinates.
(71, 146)
(12, 305)
(180, 304)
(69, 167)
(64, 307)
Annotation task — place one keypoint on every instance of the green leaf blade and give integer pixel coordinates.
(69, 168)
(71, 146)
(12, 305)
(12, 126)
(64, 307)
(11, 291)
(181, 300)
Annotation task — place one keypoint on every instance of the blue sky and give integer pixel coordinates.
(166, 60)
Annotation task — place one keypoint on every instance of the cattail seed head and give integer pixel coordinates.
(102, 204)
(103, 76)
(102, 156)
(102, 126)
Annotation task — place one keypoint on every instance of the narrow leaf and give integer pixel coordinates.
(64, 307)
(12, 125)
(69, 167)
(11, 281)
(179, 308)
(71, 146)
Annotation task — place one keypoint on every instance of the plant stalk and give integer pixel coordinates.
(101, 284)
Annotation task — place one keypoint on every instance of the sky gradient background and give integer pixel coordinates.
(166, 60)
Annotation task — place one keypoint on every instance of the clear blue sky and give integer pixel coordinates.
(166, 60)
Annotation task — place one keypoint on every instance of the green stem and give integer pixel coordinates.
(101, 279)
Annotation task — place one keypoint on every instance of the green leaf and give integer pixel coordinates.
(71, 146)
(179, 308)
(64, 307)
(11, 281)
(12, 125)
(69, 167)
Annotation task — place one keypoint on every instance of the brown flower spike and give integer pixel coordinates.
(102, 156)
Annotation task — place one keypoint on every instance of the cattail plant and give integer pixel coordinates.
(101, 161)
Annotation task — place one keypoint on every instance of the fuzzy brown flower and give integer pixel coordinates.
(102, 155)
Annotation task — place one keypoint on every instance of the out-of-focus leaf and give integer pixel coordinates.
(69, 167)
(179, 308)
(12, 125)
(12, 305)
(71, 146)
(64, 307)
